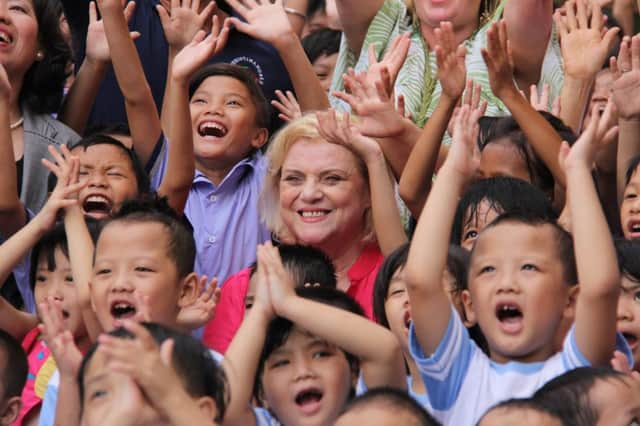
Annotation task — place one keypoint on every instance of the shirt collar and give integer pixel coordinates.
(236, 173)
(366, 263)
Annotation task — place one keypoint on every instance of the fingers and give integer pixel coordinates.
(93, 13)
(635, 52)
(129, 10)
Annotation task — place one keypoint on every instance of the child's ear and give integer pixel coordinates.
(10, 411)
(467, 305)
(570, 307)
(259, 138)
(188, 291)
(208, 407)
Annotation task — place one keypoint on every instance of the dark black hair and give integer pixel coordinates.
(307, 264)
(154, 209)
(628, 252)
(568, 394)
(47, 245)
(193, 362)
(109, 129)
(279, 328)
(102, 139)
(393, 400)
(263, 109)
(631, 169)
(315, 6)
(526, 404)
(507, 128)
(320, 42)
(15, 368)
(43, 83)
(504, 195)
(563, 240)
(394, 261)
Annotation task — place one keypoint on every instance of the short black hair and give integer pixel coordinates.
(109, 129)
(142, 177)
(279, 328)
(526, 404)
(562, 239)
(43, 83)
(628, 252)
(56, 238)
(193, 362)
(393, 400)
(631, 169)
(395, 260)
(567, 395)
(151, 208)
(315, 6)
(503, 194)
(320, 42)
(263, 109)
(16, 367)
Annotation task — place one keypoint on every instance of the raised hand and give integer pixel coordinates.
(97, 49)
(373, 103)
(202, 309)
(65, 193)
(195, 54)
(262, 299)
(584, 41)
(473, 99)
(280, 282)
(626, 89)
(265, 20)
(452, 71)
(392, 61)
(499, 59)
(183, 21)
(583, 151)
(342, 132)
(287, 105)
(464, 155)
(58, 338)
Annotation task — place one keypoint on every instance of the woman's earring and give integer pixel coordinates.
(39, 55)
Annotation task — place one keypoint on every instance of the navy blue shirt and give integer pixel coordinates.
(259, 57)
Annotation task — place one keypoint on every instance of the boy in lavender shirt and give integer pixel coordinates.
(229, 121)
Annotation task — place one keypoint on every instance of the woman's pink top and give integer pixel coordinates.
(41, 368)
(230, 308)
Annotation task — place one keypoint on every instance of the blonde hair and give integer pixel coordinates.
(304, 128)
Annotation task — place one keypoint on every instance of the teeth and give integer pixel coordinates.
(4, 37)
(313, 214)
(213, 126)
(97, 199)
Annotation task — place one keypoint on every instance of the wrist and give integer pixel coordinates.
(578, 86)
(95, 64)
(285, 41)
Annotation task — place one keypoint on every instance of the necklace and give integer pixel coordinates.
(17, 124)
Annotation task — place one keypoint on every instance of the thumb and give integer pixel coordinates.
(241, 26)
(166, 352)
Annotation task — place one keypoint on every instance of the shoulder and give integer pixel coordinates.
(46, 127)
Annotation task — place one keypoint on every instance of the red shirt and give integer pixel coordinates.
(230, 308)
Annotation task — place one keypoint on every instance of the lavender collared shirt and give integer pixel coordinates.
(225, 218)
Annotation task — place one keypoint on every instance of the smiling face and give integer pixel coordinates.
(18, 35)
(58, 285)
(134, 275)
(629, 316)
(223, 119)
(306, 381)
(110, 179)
(516, 291)
(324, 197)
(630, 208)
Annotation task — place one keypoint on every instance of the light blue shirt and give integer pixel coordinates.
(225, 218)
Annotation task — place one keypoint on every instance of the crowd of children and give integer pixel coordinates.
(319, 212)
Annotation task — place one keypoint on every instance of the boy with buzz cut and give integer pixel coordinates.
(520, 288)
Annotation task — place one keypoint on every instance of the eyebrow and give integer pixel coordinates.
(630, 288)
(94, 379)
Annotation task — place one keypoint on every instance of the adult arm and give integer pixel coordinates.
(355, 17)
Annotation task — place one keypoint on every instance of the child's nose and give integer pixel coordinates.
(303, 369)
(122, 283)
(624, 312)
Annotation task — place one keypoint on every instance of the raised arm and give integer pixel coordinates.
(142, 113)
(584, 49)
(428, 251)
(417, 175)
(598, 273)
(376, 347)
(268, 22)
(529, 24)
(386, 216)
(181, 167)
(626, 96)
(355, 17)
(77, 105)
(542, 137)
(243, 355)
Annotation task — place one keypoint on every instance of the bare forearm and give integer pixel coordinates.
(355, 17)
(296, 21)
(311, 96)
(398, 149)
(416, 179)
(79, 101)
(68, 403)
(574, 98)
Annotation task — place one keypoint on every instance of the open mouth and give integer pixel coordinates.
(308, 400)
(407, 319)
(5, 38)
(510, 317)
(634, 228)
(97, 205)
(65, 314)
(122, 310)
(313, 214)
(211, 128)
(631, 339)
